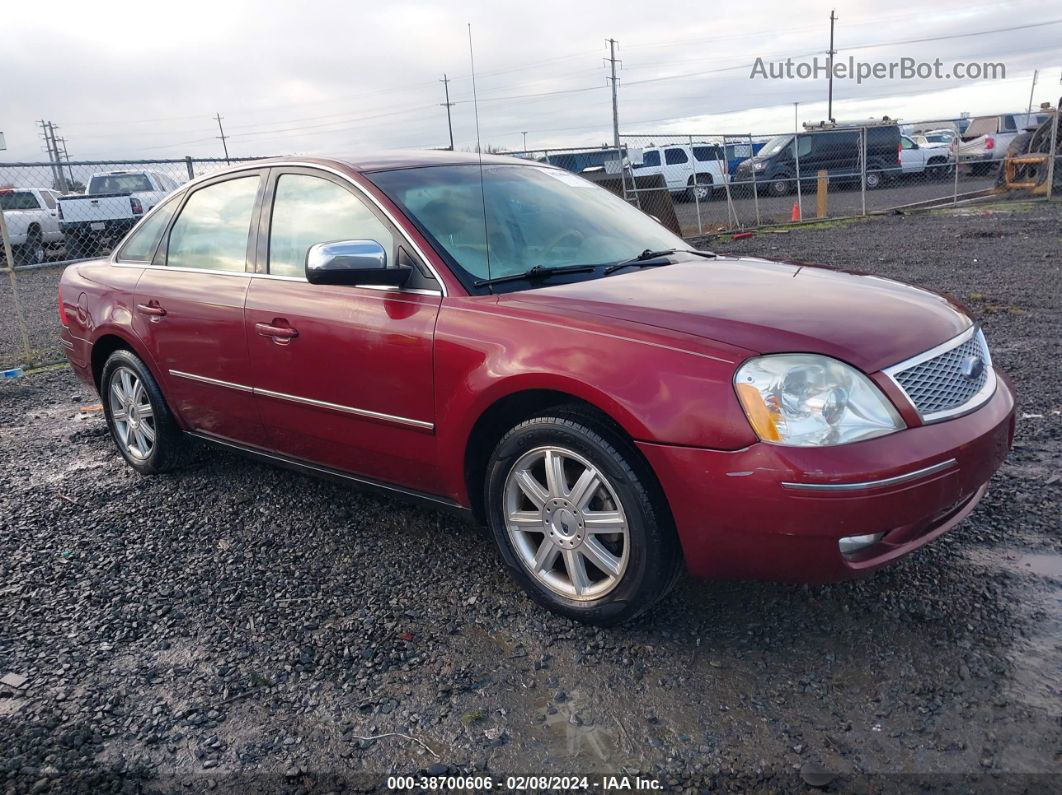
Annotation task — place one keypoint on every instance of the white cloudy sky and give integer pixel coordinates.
(143, 79)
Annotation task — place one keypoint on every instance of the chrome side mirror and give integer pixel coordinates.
(352, 262)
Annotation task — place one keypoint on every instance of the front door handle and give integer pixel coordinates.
(278, 333)
(152, 309)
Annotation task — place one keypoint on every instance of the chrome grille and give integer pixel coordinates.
(936, 383)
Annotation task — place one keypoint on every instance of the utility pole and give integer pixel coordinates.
(524, 133)
(831, 53)
(1032, 90)
(66, 157)
(46, 132)
(448, 104)
(615, 103)
(221, 129)
(796, 123)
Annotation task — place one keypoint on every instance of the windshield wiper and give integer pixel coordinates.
(537, 272)
(648, 255)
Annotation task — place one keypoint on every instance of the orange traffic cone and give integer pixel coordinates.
(795, 215)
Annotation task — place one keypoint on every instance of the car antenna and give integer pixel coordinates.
(479, 150)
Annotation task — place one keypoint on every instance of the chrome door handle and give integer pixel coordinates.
(151, 309)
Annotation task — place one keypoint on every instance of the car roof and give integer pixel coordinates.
(416, 158)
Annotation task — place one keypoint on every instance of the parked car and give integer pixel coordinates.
(32, 223)
(985, 141)
(553, 362)
(112, 204)
(835, 149)
(933, 161)
(691, 172)
(580, 162)
(935, 138)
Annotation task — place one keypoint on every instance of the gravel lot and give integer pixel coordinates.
(238, 627)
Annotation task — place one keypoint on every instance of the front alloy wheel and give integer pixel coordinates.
(579, 517)
(566, 523)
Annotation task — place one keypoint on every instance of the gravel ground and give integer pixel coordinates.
(238, 627)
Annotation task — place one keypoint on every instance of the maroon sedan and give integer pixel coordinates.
(507, 339)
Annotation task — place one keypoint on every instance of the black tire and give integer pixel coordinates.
(654, 561)
(939, 168)
(780, 185)
(705, 186)
(171, 448)
(32, 251)
(81, 245)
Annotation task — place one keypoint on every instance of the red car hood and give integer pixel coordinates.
(769, 307)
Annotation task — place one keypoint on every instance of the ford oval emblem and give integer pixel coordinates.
(972, 367)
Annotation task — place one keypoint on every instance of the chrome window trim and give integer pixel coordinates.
(250, 275)
(975, 402)
(256, 165)
(872, 484)
(375, 415)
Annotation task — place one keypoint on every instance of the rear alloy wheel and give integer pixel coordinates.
(579, 519)
(875, 180)
(145, 432)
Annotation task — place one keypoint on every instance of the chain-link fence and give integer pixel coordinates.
(695, 184)
(56, 213)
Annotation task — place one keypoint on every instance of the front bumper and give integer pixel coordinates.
(776, 513)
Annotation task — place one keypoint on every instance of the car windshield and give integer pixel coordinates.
(525, 217)
(775, 145)
(119, 183)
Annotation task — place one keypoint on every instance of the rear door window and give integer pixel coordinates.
(144, 239)
(212, 230)
(19, 200)
(675, 157)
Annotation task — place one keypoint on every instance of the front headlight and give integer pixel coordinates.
(759, 166)
(804, 400)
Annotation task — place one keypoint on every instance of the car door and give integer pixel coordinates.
(677, 169)
(188, 307)
(50, 221)
(343, 374)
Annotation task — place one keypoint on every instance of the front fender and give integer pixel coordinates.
(658, 386)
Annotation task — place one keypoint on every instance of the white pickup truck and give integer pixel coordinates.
(113, 203)
(32, 223)
(931, 160)
(986, 139)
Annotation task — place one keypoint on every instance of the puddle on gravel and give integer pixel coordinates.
(575, 727)
(1036, 657)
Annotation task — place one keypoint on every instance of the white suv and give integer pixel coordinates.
(692, 172)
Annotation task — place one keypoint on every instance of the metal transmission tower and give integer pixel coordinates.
(223, 137)
(448, 104)
(615, 103)
(832, 52)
